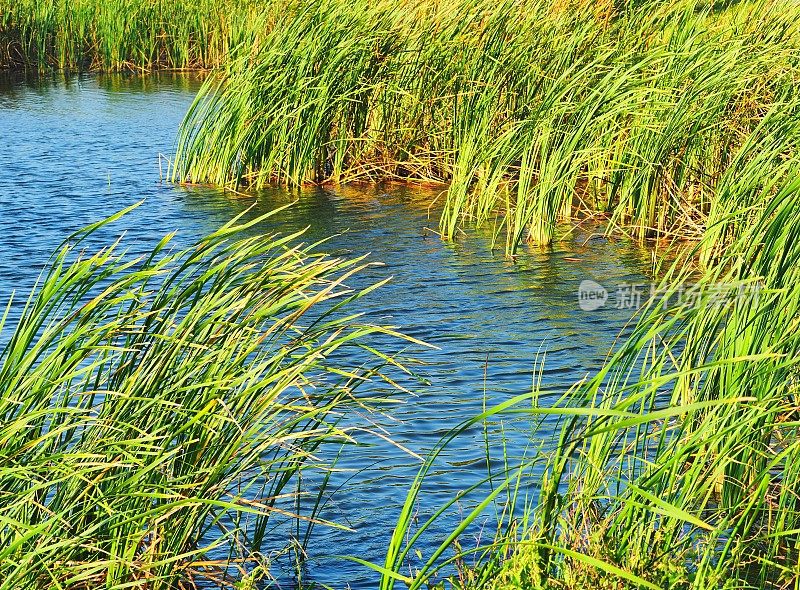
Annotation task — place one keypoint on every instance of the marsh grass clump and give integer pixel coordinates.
(122, 34)
(156, 411)
(677, 463)
(527, 113)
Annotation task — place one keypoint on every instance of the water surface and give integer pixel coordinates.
(75, 150)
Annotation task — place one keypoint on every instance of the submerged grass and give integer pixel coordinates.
(156, 411)
(527, 112)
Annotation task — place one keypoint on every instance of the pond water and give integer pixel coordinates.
(74, 150)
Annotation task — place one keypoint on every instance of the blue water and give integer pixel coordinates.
(75, 150)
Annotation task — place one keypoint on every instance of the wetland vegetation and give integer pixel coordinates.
(158, 409)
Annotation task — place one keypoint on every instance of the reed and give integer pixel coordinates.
(122, 34)
(527, 113)
(138, 420)
(156, 411)
(677, 464)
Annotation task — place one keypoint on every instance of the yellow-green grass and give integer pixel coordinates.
(112, 35)
(527, 113)
(157, 411)
(678, 465)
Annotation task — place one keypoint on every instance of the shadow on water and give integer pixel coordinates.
(78, 149)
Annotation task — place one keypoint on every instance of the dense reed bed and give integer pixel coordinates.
(163, 419)
(157, 411)
(678, 465)
(122, 34)
(527, 112)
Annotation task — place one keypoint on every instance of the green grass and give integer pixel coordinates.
(122, 34)
(677, 464)
(157, 411)
(527, 113)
